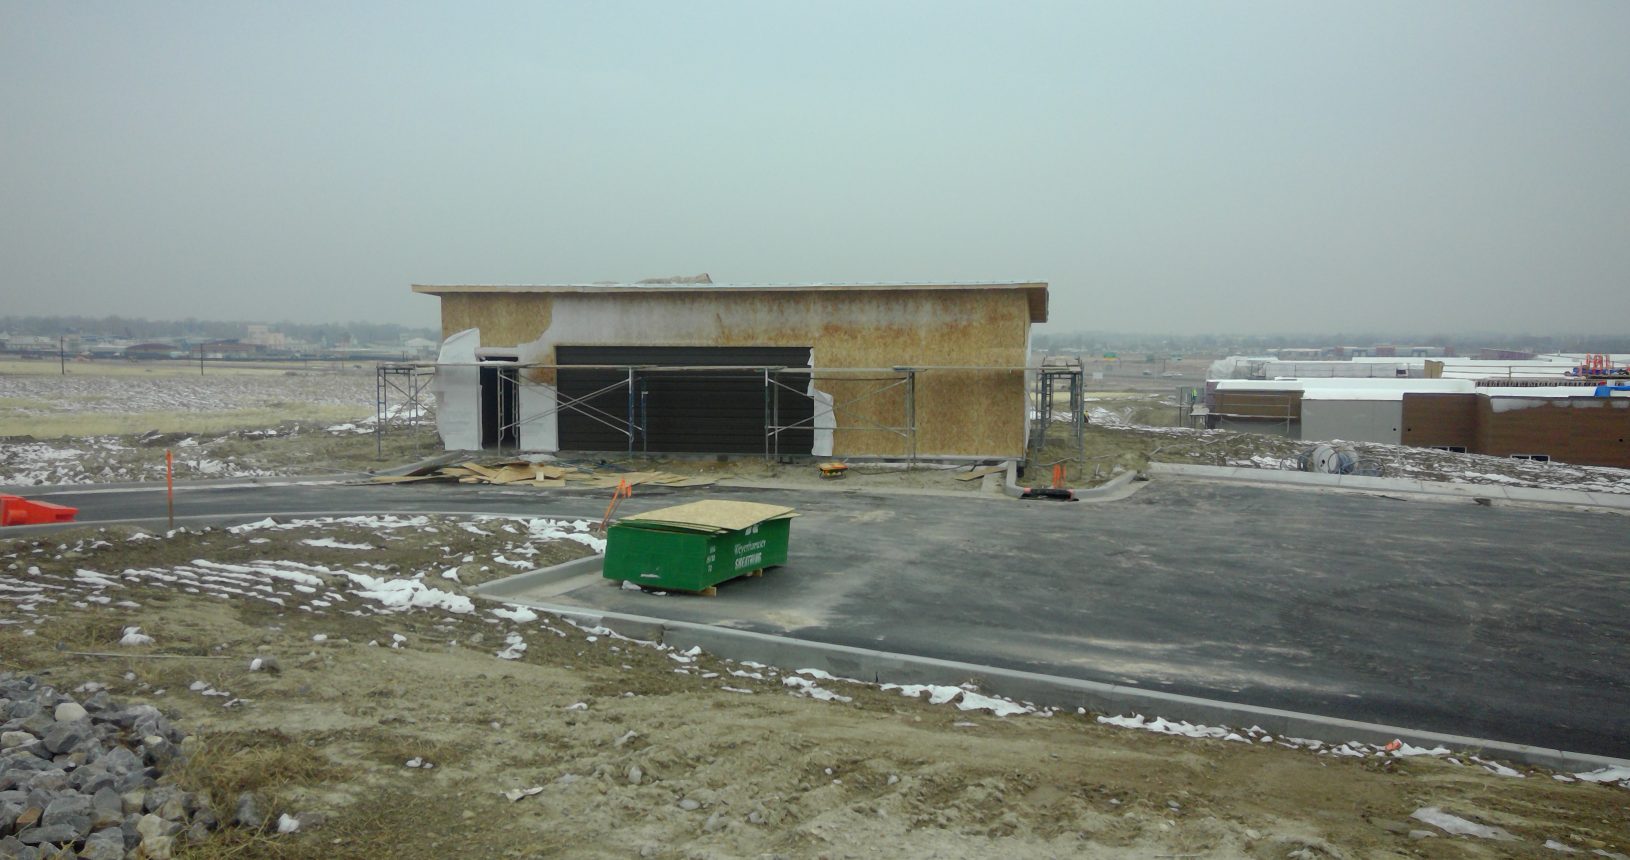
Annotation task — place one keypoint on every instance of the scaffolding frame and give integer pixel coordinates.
(907, 382)
(408, 379)
(1049, 381)
(632, 424)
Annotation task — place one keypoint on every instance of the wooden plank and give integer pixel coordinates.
(690, 482)
(980, 473)
(595, 482)
(482, 471)
(511, 474)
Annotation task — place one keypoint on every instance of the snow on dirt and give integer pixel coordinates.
(107, 459)
(222, 392)
(219, 400)
(550, 733)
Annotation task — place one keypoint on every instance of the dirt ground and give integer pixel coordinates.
(728, 765)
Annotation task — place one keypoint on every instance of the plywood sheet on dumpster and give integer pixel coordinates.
(713, 514)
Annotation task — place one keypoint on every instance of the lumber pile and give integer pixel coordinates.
(548, 475)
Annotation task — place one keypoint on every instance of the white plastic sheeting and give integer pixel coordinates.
(825, 421)
(458, 392)
(540, 422)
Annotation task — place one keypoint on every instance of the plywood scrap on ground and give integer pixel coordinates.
(545, 475)
(980, 473)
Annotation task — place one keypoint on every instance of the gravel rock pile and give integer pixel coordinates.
(83, 776)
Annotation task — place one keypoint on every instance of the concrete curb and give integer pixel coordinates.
(1356, 483)
(882, 667)
(1110, 489)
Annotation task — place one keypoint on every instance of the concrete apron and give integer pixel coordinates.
(534, 588)
(1489, 494)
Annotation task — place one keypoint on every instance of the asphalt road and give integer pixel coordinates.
(1505, 623)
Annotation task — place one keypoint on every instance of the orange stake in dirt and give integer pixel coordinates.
(1058, 476)
(624, 490)
(169, 483)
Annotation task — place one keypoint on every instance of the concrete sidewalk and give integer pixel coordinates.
(1494, 493)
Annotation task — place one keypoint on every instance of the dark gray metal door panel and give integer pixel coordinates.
(691, 411)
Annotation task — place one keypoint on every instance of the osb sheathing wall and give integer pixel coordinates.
(1590, 431)
(958, 413)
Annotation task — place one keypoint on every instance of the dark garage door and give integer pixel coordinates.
(693, 411)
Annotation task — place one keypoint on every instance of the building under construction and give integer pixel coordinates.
(847, 370)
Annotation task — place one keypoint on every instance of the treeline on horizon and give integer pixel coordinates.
(134, 328)
(1462, 344)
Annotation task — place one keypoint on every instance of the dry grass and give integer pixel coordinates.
(223, 765)
(394, 750)
(86, 630)
(120, 367)
(59, 424)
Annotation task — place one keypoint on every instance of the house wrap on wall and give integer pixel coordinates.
(884, 370)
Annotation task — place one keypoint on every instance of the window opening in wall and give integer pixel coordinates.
(1453, 449)
(1538, 458)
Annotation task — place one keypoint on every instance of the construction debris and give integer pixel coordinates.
(548, 475)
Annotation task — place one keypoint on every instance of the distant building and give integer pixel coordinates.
(419, 347)
(1504, 355)
(154, 351)
(261, 335)
(1574, 421)
(35, 346)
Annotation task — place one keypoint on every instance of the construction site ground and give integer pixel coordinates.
(640, 752)
(331, 733)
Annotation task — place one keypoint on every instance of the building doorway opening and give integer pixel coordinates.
(500, 405)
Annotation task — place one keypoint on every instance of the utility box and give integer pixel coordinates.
(696, 546)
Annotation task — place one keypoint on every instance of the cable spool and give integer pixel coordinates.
(1333, 460)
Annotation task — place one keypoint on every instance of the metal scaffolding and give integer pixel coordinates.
(409, 381)
(902, 378)
(412, 379)
(1050, 379)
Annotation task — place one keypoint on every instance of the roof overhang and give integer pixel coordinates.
(1035, 291)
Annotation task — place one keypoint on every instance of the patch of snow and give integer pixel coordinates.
(517, 614)
(811, 689)
(514, 647)
(999, 707)
(408, 594)
(1457, 826)
(937, 695)
(330, 543)
(1617, 774)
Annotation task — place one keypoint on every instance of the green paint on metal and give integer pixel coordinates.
(666, 556)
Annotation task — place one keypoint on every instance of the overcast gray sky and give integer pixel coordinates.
(1184, 167)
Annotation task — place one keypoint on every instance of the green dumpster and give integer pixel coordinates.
(696, 546)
